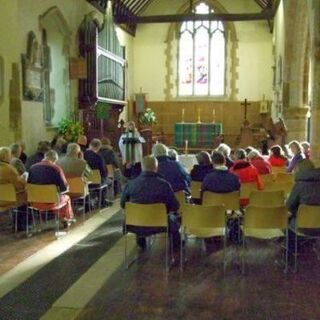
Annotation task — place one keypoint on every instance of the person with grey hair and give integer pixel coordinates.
(15, 160)
(173, 154)
(257, 160)
(48, 172)
(149, 187)
(226, 151)
(73, 164)
(296, 150)
(306, 149)
(171, 170)
(204, 166)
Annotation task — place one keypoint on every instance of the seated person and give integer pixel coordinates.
(306, 149)
(23, 156)
(220, 180)
(48, 172)
(8, 174)
(108, 154)
(83, 142)
(226, 151)
(173, 154)
(150, 188)
(131, 170)
(245, 171)
(15, 159)
(296, 150)
(277, 157)
(170, 170)
(95, 161)
(204, 166)
(43, 147)
(73, 164)
(256, 159)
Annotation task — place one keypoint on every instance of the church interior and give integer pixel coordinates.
(106, 105)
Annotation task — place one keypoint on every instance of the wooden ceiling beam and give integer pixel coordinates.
(266, 15)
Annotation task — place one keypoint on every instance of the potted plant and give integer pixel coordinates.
(147, 118)
(70, 129)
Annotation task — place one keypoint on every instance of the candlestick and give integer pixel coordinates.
(182, 116)
(186, 147)
(213, 115)
(199, 116)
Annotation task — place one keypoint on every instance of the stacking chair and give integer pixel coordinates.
(267, 198)
(308, 219)
(285, 186)
(146, 215)
(265, 223)
(181, 197)
(284, 177)
(203, 222)
(246, 189)
(95, 179)
(44, 194)
(78, 190)
(276, 170)
(196, 189)
(229, 200)
(266, 178)
(9, 199)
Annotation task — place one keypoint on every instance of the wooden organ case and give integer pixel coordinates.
(102, 93)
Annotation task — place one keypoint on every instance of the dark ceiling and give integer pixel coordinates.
(129, 13)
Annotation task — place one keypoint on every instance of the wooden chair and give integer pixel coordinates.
(276, 170)
(44, 194)
(267, 198)
(265, 223)
(146, 215)
(230, 200)
(286, 187)
(308, 219)
(181, 197)
(196, 189)
(202, 222)
(246, 189)
(284, 177)
(266, 178)
(95, 180)
(78, 190)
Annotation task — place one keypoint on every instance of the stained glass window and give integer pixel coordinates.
(201, 56)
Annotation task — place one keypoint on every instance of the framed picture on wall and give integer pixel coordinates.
(1, 79)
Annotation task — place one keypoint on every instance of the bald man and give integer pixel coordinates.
(150, 188)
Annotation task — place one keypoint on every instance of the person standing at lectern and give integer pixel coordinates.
(130, 145)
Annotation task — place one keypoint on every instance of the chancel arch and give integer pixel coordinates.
(56, 39)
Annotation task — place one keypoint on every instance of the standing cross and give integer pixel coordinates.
(245, 104)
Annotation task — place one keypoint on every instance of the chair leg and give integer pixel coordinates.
(181, 251)
(84, 209)
(16, 221)
(242, 256)
(125, 251)
(167, 262)
(287, 248)
(224, 251)
(295, 252)
(27, 223)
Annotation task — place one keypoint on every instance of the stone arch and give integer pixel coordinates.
(231, 52)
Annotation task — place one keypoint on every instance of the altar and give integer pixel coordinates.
(198, 135)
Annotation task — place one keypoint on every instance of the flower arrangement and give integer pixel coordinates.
(148, 118)
(70, 129)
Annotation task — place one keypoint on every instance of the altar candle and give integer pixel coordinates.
(182, 116)
(186, 147)
(199, 118)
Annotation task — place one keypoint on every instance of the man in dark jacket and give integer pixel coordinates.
(43, 147)
(305, 190)
(150, 188)
(204, 166)
(220, 180)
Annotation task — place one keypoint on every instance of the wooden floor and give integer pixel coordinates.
(102, 289)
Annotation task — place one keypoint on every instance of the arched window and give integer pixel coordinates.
(201, 63)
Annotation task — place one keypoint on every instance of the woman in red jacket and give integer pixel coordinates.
(262, 165)
(277, 158)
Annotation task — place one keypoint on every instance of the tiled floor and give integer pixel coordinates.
(87, 280)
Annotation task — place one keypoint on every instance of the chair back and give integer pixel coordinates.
(195, 217)
(7, 193)
(110, 171)
(95, 177)
(266, 178)
(246, 189)
(276, 170)
(146, 215)
(42, 193)
(196, 189)
(286, 187)
(308, 216)
(229, 200)
(267, 198)
(266, 217)
(77, 186)
(285, 177)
